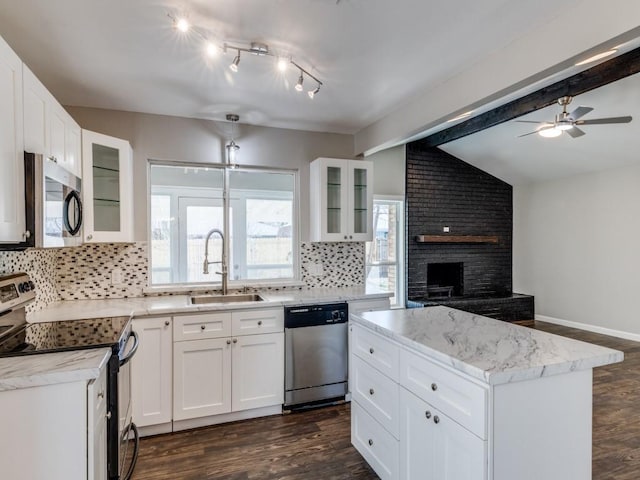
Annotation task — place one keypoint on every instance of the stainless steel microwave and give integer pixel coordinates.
(56, 203)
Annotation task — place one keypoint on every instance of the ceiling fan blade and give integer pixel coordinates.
(580, 112)
(604, 121)
(527, 134)
(528, 121)
(575, 132)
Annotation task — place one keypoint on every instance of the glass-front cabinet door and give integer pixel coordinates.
(107, 192)
(341, 200)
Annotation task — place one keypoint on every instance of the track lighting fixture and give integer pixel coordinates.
(236, 61)
(211, 49)
(299, 84)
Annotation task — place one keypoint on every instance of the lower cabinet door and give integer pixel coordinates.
(258, 371)
(434, 447)
(202, 378)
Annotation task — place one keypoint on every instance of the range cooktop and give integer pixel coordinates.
(50, 337)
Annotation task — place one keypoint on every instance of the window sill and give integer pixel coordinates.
(200, 287)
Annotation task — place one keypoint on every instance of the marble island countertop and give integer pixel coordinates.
(176, 304)
(490, 350)
(51, 368)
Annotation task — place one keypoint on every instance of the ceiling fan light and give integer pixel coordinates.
(182, 24)
(550, 132)
(564, 126)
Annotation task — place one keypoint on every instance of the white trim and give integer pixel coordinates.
(590, 328)
(188, 424)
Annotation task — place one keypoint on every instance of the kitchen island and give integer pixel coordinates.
(443, 394)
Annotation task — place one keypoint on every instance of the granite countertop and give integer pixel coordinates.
(490, 350)
(51, 368)
(175, 304)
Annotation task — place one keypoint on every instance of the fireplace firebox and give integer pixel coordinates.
(445, 280)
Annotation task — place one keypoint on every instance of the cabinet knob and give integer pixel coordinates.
(436, 419)
(371, 350)
(371, 391)
(259, 322)
(108, 415)
(434, 387)
(26, 235)
(100, 394)
(427, 414)
(202, 327)
(345, 237)
(235, 340)
(228, 342)
(89, 237)
(167, 323)
(350, 237)
(370, 442)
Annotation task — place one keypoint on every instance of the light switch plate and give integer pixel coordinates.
(116, 276)
(445, 229)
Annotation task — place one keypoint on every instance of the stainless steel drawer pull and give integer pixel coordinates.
(259, 322)
(371, 350)
(100, 394)
(370, 442)
(167, 323)
(436, 419)
(235, 340)
(371, 392)
(202, 327)
(228, 342)
(427, 414)
(434, 387)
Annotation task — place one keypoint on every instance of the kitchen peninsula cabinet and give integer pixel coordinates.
(441, 394)
(341, 200)
(107, 188)
(12, 213)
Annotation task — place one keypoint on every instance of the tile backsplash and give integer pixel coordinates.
(85, 272)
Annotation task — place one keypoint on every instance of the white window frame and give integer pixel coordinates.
(400, 248)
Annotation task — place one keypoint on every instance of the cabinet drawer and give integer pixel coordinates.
(457, 397)
(253, 322)
(376, 350)
(199, 327)
(377, 394)
(375, 444)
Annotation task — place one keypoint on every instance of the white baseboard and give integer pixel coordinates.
(179, 425)
(590, 328)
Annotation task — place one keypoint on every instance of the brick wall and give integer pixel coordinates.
(442, 190)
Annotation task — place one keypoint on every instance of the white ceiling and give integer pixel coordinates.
(499, 151)
(372, 55)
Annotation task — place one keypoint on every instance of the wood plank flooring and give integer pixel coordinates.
(316, 444)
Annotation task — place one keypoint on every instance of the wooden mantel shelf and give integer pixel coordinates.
(456, 239)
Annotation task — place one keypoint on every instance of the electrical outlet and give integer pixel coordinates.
(116, 277)
(445, 229)
(316, 270)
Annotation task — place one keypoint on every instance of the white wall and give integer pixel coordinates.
(173, 138)
(389, 171)
(577, 248)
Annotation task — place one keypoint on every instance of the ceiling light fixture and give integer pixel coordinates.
(182, 24)
(232, 147)
(299, 86)
(550, 132)
(312, 93)
(236, 61)
(597, 57)
(257, 49)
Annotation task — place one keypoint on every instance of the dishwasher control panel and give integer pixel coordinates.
(313, 315)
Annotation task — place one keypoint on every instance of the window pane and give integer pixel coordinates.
(200, 221)
(161, 238)
(383, 278)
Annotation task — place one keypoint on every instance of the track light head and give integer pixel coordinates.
(236, 61)
(182, 24)
(299, 86)
(283, 63)
(312, 93)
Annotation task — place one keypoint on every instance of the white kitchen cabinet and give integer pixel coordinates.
(12, 207)
(341, 200)
(434, 447)
(48, 129)
(107, 188)
(151, 372)
(201, 378)
(97, 428)
(258, 371)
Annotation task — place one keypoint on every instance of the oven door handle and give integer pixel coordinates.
(136, 448)
(134, 349)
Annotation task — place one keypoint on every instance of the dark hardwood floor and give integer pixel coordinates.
(316, 444)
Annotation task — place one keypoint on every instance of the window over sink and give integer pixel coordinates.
(187, 202)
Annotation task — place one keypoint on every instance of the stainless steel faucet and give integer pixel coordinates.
(222, 261)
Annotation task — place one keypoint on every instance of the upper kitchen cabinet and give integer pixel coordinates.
(48, 128)
(107, 188)
(12, 211)
(341, 200)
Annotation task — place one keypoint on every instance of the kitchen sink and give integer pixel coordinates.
(206, 299)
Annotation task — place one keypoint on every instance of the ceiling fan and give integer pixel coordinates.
(568, 122)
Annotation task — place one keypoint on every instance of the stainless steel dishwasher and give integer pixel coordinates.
(316, 354)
